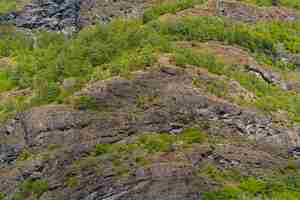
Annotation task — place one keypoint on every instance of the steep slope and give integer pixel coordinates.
(193, 100)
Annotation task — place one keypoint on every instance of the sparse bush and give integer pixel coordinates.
(31, 187)
(72, 182)
(102, 149)
(193, 135)
(25, 155)
(156, 11)
(157, 142)
(85, 103)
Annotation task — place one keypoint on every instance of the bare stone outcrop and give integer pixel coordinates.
(161, 100)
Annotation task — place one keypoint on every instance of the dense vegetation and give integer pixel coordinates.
(103, 51)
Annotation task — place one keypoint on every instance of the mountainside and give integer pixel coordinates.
(150, 100)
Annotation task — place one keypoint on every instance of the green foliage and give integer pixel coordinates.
(156, 11)
(12, 41)
(270, 98)
(2, 196)
(72, 182)
(7, 6)
(100, 52)
(186, 56)
(113, 49)
(90, 162)
(157, 142)
(5, 83)
(228, 193)
(25, 155)
(261, 37)
(253, 186)
(280, 187)
(192, 135)
(291, 3)
(146, 145)
(213, 173)
(10, 107)
(128, 61)
(46, 92)
(102, 149)
(85, 103)
(34, 188)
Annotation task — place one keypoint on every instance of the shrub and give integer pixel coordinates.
(280, 187)
(5, 82)
(228, 193)
(192, 135)
(154, 12)
(186, 56)
(260, 38)
(25, 155)
(102, 149)
(85, 103)
(253, 186)
(45, 92)
(2, 197)
(11, 106)
(31, 187)
(12, 42)
(72, 182)
(147, 144)
(157, 142)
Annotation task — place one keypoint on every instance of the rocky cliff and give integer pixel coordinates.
(70, 15)
(197, 101)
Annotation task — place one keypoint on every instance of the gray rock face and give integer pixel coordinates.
(49, 14)
(9, 153)
(247, 13)
(69, 15)
(161, 100)
(295, 59)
